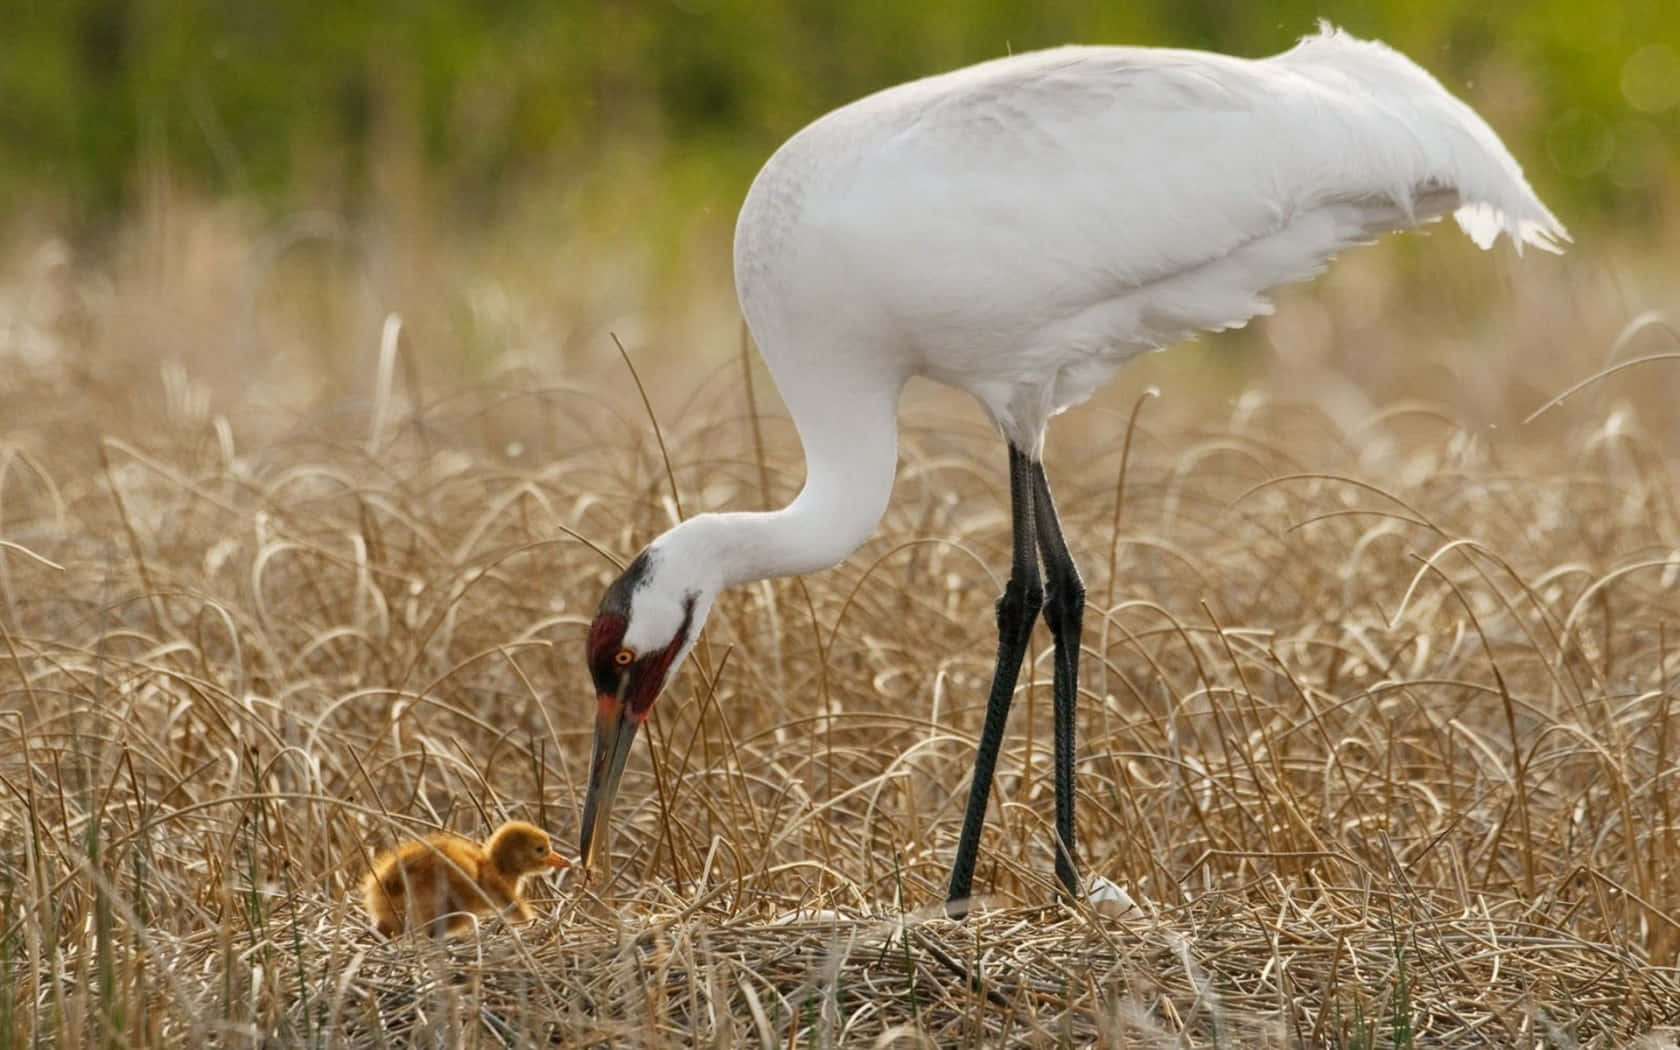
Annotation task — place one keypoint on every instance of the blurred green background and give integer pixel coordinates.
(246, 191)
(470, 110)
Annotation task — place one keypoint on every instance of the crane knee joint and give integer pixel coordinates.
(1019, 602)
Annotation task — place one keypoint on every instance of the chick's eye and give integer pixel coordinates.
(624, 657)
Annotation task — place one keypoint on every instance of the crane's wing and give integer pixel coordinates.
(1112, 200)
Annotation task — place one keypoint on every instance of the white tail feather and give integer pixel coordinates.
(1455, 148)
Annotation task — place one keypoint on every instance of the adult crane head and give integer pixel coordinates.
(648, 621)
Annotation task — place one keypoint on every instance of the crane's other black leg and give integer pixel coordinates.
(1064, 612)
(1022, 598)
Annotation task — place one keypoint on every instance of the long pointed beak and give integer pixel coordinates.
(556, 861)
(614, 731)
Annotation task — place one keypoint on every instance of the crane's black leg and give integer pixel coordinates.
(1064, 612)
(1022, 598)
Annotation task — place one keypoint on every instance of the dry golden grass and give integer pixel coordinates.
(1378, 721)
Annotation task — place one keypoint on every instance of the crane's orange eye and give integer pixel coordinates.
(624, 657)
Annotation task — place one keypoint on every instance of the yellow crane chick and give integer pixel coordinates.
(438, 883)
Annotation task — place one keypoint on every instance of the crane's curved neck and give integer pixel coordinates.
(848, 424)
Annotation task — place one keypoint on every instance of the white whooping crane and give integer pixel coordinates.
(1018, 229)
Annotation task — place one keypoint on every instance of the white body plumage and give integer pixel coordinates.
(1020, 227)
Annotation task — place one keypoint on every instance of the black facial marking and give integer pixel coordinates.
(617, 597)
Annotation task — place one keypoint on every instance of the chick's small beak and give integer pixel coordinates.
(615, 729)
(556, 861)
